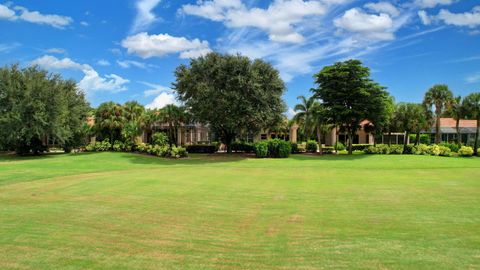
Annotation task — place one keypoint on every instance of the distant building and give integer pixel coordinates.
(449, 131)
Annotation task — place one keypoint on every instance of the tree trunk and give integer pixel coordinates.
(475, 150)
(438, 137)
(417, 139)
(457, 126)
(389, 138)
(405, 142)
(350, 139)
(228, 142)
(319, 138)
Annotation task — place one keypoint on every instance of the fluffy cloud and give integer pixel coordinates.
(6, 13)
(278, 20)
(147, 46)
(103, 62)
(383, 7)
(468, 19)
(161, 101)
(372, 26)
(432, 3)
(424, 17)
(145, 16)
(155, 89)
(56, 21)
(91, 81)
(7, 47)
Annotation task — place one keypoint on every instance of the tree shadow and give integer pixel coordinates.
(328, 157)
(11, 156)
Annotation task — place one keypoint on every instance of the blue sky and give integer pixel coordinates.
(124, 50)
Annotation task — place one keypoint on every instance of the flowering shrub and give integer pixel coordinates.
(465, 151)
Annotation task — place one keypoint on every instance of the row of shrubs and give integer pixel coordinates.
(274, 148)
(421, 149)
(164, 150)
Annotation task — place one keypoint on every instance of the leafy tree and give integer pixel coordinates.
(382, 121)
(411, 118)
(349, 95)
(133, 116)
(457, 112)
(231, 93)
(37, 107)
(174, 116)
(440, 97)
(304, 114)
(109, 121)
(471, 104)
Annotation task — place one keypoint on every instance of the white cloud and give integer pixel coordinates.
(7, 47)
(468, 19)
(92, 81)
(56, 51)
(290, 113)
(433, 3)
(473, 78)
(278, 20)
(156, 89)
(424, 17)
(53, 20)
(162, 100)
(145, 17)
(131, 63)
(383, 7)
(84, 23)
(6, 13)
(103, 62)
(371, 26)
(147, 46)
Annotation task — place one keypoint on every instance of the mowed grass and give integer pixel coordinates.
(127, 211)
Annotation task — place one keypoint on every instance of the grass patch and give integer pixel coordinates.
(128, 211)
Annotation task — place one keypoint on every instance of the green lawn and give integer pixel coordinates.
(126, 211)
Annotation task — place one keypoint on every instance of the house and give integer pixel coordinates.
(448, 130)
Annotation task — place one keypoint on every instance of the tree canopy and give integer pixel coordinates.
(231, 93)
(471, 104)
(350, 96)
(439, 97)
(37, 107)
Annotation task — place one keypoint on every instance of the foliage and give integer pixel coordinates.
(384, 149)
(349, 95)
(411, 118)
(109, 121)
(465, 151)
(278, 148)
(99, 146)
(444, 151)
(452, 146)
(423, 138)
(36, 106)
(294, 147)
(118, 146)
(360, 147)
(421, 149)
(339, 146)
(160, 138)
(202, 148)
(231, 93)
(312, 146)
(440, 97)
(163, 150)
(471, 103)
(245, 147)
(261, 149)
(434, 150)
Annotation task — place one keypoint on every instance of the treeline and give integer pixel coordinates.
(37, 108)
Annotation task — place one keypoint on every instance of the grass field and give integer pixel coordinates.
(126, 211)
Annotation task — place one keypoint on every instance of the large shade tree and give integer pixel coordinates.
(438, 98)
(231, 93)
(349, 95)
(472, 110)
(36, 108)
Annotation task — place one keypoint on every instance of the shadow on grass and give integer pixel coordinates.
(11, 156)
(328, 157)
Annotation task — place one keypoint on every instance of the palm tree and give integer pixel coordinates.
(174, 116)
(304, 114)
(471, 104)
(133, 112)
(457, 112)
(109, 119)
(440, 97)
(319, 122)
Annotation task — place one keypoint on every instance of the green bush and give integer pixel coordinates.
(453, 146)
(176, 152)
(396, 149)
(242, 147)
(99, 146)
(278, 148)
(261, 149)
(421, 149)
(408, 149)
(339, 146)
(327, 150)
(424, 138)
(465, 151)
(202, 148)
(445, 151)
(160, 138)
(294, 147)
(384, 149)
(312, 146)
(119, 146)
(360, 147)
(434, 150)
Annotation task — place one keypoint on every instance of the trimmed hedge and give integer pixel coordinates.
(242, 147)
(360, 147)
(312, 146)
(202, 148)
(275, 148)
